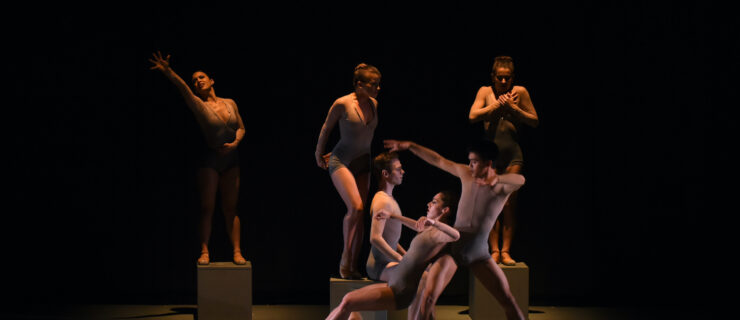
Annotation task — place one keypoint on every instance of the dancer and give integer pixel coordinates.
(404, 277)
(503, 107)
(223, 129)
(385, 233)
(349, 162)
(483, 195)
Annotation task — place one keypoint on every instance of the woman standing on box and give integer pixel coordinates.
(504, 108)
(349, 161)
(223, 129)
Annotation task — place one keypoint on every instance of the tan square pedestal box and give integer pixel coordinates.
(225, 291)
(483, 306)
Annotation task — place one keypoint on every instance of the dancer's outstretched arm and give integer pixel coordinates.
(428, 155)
(163, 65)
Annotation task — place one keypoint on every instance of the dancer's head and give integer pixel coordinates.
(202, 83)
(502, 73)
(443, 207)
(366, 80)
(482, 155)
(387, 167)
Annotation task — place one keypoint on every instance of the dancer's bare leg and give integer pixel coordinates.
(491, 276)
(229, 185)
(509, 221)
(413, 309)
(493, 241)
(373, 297)
(346, 186)
(207, 187)
(439, 276)
(363, 186)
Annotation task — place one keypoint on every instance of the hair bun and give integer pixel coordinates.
(361, 66)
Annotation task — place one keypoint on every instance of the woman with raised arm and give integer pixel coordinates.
(404, 277)
(349, 161)
(223, 129)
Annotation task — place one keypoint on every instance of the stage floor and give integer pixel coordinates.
(311, 312)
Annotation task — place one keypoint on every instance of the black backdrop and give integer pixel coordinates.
(101, 204)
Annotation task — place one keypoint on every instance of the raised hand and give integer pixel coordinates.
(395, 145)
(160, 63)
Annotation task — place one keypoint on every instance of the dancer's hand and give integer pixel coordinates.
(322, 160)
(382, 214)
(509, 100)
(421, 224)
(491, 178)
(396, 145)
(227, 148)
(429, 222)
(160, 63)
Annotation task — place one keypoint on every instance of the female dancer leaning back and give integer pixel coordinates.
(404, 276)
(349, 162)
(223, 128)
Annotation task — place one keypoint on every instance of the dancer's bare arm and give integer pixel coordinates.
(231, 146)
(335, 113)
(450, 231)
(505, 183)
(521, 107)
(480, 111)
(379, 208)
(428, 155)
(163, 65)
(406, 221)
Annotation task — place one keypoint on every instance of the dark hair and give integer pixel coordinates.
(450, 199)
(503, 62)
(383, 162)
(485, 149)
(361, 72)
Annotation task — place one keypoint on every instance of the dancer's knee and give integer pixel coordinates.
(355, 212)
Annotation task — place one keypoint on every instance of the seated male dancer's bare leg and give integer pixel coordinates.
(436, 279)
(493, 278)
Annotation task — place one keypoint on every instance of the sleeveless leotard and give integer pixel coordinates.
(377, 260)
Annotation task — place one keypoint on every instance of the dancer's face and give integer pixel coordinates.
(201, 81)
(502, 79)
(371, 87)
(436, 207)
(477, 165)
(395, 175)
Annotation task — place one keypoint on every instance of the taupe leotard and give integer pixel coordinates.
(218, 131)
(476, 213)
(377, 260)
(503, 132)
(404, 278)
(356, 136)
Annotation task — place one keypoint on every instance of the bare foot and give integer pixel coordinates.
(238, 259)
(506, 258)
(496, 256)
(203, 260)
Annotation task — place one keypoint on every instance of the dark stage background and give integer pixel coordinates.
(620, 205)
